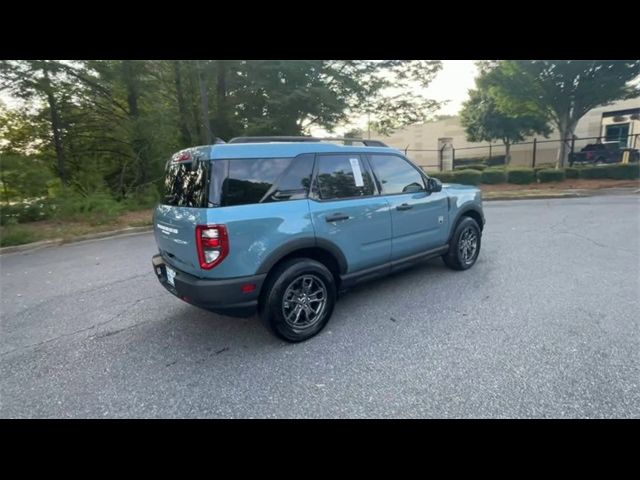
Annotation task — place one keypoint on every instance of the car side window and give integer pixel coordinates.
(396, 175)
(294, 182)
(249, 180)
(342, 176)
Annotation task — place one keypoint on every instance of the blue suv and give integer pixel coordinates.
(280, 225)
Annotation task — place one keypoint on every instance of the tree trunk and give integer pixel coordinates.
(566, 129)
(123, 191)
(185, 133)
(55, 126)
(193, 99)
(137, 139)
(4, 183)
(507, 152)
(562, 149)
(132, 88)
(221, 99)
(204, 104)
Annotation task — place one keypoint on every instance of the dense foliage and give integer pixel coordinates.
(483, 121)
(550, 175)
(104, 129)
(524, 176)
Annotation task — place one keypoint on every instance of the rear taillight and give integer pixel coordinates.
(182, 157)
(212, 243)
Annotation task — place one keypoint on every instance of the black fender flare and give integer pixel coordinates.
(461, 213)
(299, 244)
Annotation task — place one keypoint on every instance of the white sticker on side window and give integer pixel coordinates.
(357, 173)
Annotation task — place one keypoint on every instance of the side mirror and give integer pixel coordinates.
(434, 185)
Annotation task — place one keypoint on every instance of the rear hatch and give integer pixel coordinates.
(191, 186)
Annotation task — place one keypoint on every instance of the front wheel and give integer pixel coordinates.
(299, 299)
(465, 245)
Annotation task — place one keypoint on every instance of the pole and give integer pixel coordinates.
(535, 147)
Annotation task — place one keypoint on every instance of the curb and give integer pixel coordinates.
(577, 193)
(82, 238)
(534, 197)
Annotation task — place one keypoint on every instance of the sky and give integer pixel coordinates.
(452, 83)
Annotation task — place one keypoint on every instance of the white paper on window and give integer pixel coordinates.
(357, 173)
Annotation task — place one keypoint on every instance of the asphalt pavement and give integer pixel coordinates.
(546, 324)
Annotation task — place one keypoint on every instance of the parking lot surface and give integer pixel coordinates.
(546, 324)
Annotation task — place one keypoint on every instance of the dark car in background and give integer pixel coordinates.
(605, 152)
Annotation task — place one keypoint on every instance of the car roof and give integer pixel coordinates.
(223, 151)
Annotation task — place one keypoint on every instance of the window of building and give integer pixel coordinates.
(617, 133)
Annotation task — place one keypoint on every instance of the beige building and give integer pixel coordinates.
(618, 121)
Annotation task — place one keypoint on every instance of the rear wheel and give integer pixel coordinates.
(299, 299)
(465, 245)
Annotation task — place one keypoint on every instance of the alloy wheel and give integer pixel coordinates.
(304, 301)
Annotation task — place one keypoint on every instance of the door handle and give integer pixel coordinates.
(336, 217)
(404, 206)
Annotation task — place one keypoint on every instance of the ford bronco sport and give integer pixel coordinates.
(280, 225)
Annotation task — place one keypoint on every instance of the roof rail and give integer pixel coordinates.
(367, 143)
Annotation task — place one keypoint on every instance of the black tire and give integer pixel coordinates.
(290, 277)
(459, 257)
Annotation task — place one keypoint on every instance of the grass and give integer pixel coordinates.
(567, 186)
(19, 234)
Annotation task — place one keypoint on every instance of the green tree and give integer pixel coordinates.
(287, 97)
(562, 91)
(484, 122)
(24, 173)
(391, 92)
(354, 133)
(108, 126)
(40, 80)
(128, 122)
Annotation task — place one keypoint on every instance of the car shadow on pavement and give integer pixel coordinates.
(199, 328)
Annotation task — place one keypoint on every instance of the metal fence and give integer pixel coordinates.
(525, 154)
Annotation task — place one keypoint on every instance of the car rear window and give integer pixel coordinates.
(237, 182)
(186, 184)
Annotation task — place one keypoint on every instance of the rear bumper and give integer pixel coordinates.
(222, 296)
